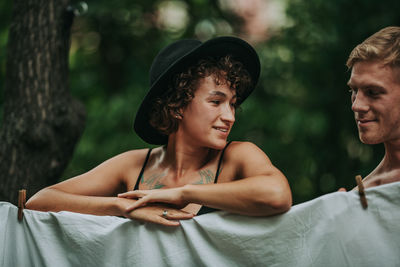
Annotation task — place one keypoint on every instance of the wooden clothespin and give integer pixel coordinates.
(361, 192)
(21, 203)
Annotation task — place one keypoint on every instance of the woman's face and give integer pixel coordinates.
(209, 117)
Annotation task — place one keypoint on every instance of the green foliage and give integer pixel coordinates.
(111, 52)
(305, 78)
(299, 115)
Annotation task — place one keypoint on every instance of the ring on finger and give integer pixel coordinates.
(165, 213)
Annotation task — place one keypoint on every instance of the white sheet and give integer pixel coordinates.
(332, 230)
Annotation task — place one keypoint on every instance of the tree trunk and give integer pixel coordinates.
(41, 123)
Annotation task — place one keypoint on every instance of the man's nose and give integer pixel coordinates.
(359, 102)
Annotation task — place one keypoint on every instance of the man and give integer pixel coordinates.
(375, 96)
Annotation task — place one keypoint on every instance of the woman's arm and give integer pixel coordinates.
(262, 191)
(95, 193)
(105, 206)
(89, 193)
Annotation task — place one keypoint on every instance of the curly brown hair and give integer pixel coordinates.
(183, 85)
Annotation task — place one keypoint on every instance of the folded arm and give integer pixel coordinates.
(95, 193)
(260, 189)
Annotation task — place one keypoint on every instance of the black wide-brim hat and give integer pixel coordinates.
(179, 56)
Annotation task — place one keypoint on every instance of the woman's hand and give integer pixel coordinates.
(172, 196)
(159, 214)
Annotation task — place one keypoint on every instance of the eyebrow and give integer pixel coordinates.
(219, 93)
(366, 86)
(349, 84)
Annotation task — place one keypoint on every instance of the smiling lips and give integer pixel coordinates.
(222, 129)
(363, 122)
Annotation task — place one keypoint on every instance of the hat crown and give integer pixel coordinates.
(169, 55)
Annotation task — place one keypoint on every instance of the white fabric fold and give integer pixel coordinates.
(332, 230)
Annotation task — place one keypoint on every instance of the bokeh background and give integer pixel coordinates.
(300, 113)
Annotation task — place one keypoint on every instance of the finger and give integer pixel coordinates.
(181, 217)
(164, 221)
(127, 194)
(132, 194)
(178, 215)
(138, 193)
(342, 189)
(140, 203)
(158, 220)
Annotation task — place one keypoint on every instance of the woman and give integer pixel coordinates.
(189, 110)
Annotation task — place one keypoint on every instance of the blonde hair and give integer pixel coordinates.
(383, 45)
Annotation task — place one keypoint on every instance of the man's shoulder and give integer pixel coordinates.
(376, 179)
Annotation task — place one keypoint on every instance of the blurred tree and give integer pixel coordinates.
(41, 122)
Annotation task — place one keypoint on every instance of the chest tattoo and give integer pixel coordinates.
(153, 181)
(206, 177)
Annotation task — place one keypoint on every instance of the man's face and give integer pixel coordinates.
(375, 101)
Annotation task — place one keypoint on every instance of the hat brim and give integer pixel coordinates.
(217, 47)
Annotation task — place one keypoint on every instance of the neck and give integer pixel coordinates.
(181, 158)
(388, 169)
(391, 160)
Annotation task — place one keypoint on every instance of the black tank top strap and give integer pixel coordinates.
(220, 162)
(142, 170)
(206, 209)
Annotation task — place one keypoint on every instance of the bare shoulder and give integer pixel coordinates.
(119, 167)
(131, 158)
(241, 152)
(247, 159)
(127, 163)
(109, 177)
